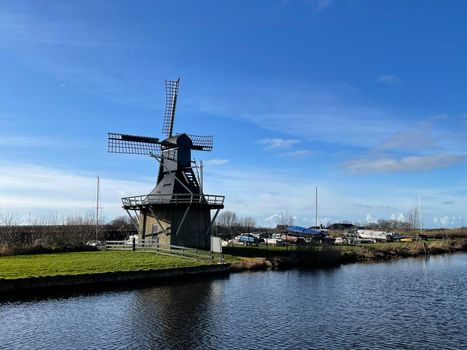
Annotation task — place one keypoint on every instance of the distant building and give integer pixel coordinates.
(281, 229)
(342, 227)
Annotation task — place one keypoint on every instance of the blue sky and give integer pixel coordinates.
(364, 99)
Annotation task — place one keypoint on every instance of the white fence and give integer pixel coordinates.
(165, 249)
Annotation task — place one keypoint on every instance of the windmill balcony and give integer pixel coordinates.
(137, 202)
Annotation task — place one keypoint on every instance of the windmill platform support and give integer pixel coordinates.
(183, 220)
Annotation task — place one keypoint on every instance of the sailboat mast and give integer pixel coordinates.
(316, 206)
(420, 213)
(97, 208)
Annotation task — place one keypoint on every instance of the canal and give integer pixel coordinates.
(405, 304)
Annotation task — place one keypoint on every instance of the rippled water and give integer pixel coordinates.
(408, 304)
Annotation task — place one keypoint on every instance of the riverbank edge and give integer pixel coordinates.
(304, 259)
(329, 258)
(109, 279)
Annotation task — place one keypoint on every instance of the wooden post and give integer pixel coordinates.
(143, 230)
(134, 243)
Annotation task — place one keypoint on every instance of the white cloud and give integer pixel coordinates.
(400, 217)
(278, 143)
(388, 79)
(406, 164)
(324, 221)
(325, 113)
(298, 154)
(444, 220)
(449, 221)
(275, 219)
(264, 193)
(39, 190)
(371, 219)
(420, 139)
(318, 5)
(271, 219)
(26, 141)
(216, 162)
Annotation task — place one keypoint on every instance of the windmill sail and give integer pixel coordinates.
(171, 92)
(202, 143)
(132, 144)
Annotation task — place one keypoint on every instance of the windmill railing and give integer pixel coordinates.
(165, 249)
(181, 198)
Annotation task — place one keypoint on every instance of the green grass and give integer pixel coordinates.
(362, 251)
(260, 252)
(60, 264)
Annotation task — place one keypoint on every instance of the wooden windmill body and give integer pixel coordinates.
(176, 211)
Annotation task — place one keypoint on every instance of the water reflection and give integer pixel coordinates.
(411, 303)
(178, 315)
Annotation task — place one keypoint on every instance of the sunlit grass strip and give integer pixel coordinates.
(62, 264)
(355, 252)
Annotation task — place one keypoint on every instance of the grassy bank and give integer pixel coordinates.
(81, 263)
(328, 255)
(387, 251)
(62, 264)
(10, 249)
(258, 252)
(448, 233)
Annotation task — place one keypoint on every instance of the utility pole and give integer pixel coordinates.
(97, 208)
(201, 173)
(316, 207)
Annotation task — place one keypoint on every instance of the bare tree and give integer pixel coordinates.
(412, 217)
(285, 219)
(121, 221)
(247, 223)
(227, 219)
(79, 220)
(8, 219)
(386, 225)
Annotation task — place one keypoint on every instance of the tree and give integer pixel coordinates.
(79, 220)
(412, 217)
(285, 219)
(247, 222)
(227, 219)
(8, 219)
(121, 222)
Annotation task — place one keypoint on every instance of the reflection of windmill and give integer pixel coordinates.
(176, 211)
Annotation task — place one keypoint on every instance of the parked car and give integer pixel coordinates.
(248, 239)
(95, 243)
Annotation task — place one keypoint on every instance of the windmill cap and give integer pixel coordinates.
(177, 140)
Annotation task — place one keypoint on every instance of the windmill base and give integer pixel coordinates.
(181, 226)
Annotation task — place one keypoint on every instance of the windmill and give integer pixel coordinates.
(176, 211)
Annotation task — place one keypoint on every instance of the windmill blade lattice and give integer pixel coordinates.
(132, 144)
(202, 143)
(171, 92)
